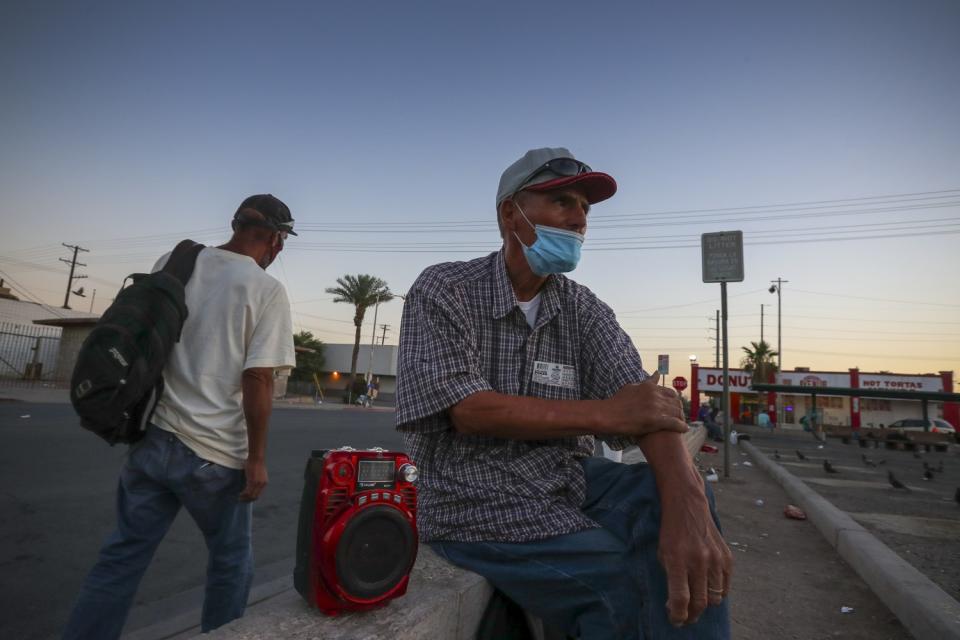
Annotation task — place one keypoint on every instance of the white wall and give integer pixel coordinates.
(337, 358)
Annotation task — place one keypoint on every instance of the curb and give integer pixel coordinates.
(925, 609)
(178, 616)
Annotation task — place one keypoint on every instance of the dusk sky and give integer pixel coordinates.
(827, 131)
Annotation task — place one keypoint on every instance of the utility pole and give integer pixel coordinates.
(778, 288)
(718, 339)
(383, 340)
(92, 299)
(761, 322)
(373, 340)
(714, 337)
(73, 265)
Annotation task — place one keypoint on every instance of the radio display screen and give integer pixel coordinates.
(375, 471)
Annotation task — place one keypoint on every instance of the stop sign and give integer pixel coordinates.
(679, 383)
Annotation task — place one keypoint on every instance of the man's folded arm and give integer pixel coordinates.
(500, 415)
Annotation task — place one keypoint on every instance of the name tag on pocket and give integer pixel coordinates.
(554, 375)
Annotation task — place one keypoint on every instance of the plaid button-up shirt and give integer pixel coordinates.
(462, 332)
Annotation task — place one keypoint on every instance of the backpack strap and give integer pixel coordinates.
(183, 259)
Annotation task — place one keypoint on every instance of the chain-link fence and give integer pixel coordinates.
(28, 354)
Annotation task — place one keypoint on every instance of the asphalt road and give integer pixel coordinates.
(56, 506)
(921, 524)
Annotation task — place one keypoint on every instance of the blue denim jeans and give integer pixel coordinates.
(600, 583)
(159, 476)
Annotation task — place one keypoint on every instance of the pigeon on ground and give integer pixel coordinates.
(800, 455)
(776, 454)
(879, 462)
(926, 467)
(867, 461)
(896, 484)
(928, 475)
(829, 467)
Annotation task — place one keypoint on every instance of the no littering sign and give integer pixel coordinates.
(722, 254)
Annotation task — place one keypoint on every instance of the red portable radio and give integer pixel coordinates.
(357, 536)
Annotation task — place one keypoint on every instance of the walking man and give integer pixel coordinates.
(205, 448)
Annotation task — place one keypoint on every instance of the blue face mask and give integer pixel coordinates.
(554, 251)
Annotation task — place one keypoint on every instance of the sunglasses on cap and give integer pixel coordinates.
(284, 227)
(561, 167)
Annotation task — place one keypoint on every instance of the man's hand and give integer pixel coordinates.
(256, 476)
(697, 560)
(639, 409)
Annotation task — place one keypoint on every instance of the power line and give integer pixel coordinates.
(844, 295)
(689, 304)
(646, 220)
(929, 223)
(308, 315)
(875, 356)
(875, 320)
(780, 207)
(858, 331)
(588, 246)
(30, 297)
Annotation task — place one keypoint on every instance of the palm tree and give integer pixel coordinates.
(759, 361)
(362, 291)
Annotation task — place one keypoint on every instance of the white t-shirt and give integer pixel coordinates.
(530, 309)
(239, 318)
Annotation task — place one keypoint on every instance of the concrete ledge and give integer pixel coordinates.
(442, 601)
(925, 609)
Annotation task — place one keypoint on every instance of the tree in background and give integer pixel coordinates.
(760, 361)
(362, 291)
(307, 363)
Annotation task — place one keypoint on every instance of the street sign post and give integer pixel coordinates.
(722, 259)
(679, 383)
(663, 364)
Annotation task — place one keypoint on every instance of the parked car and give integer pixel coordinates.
(933, 425)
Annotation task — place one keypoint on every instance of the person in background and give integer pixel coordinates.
(714, 428)
(763, 420)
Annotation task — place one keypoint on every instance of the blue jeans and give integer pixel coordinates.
(160, 475)
(600, 583)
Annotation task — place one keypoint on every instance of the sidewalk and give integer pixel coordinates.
(788, 581)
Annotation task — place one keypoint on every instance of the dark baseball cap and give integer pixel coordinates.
(275, 213)
(552, 168)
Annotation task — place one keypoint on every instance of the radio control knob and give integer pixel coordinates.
(408, 473)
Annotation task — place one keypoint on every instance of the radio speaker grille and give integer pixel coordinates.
(375, 552)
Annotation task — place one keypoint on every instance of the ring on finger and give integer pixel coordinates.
(712, 590)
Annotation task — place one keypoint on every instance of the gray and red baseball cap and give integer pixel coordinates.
(551, 168)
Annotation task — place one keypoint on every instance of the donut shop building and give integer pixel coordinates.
(707, 386)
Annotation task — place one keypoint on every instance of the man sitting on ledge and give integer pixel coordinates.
(507, 371)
